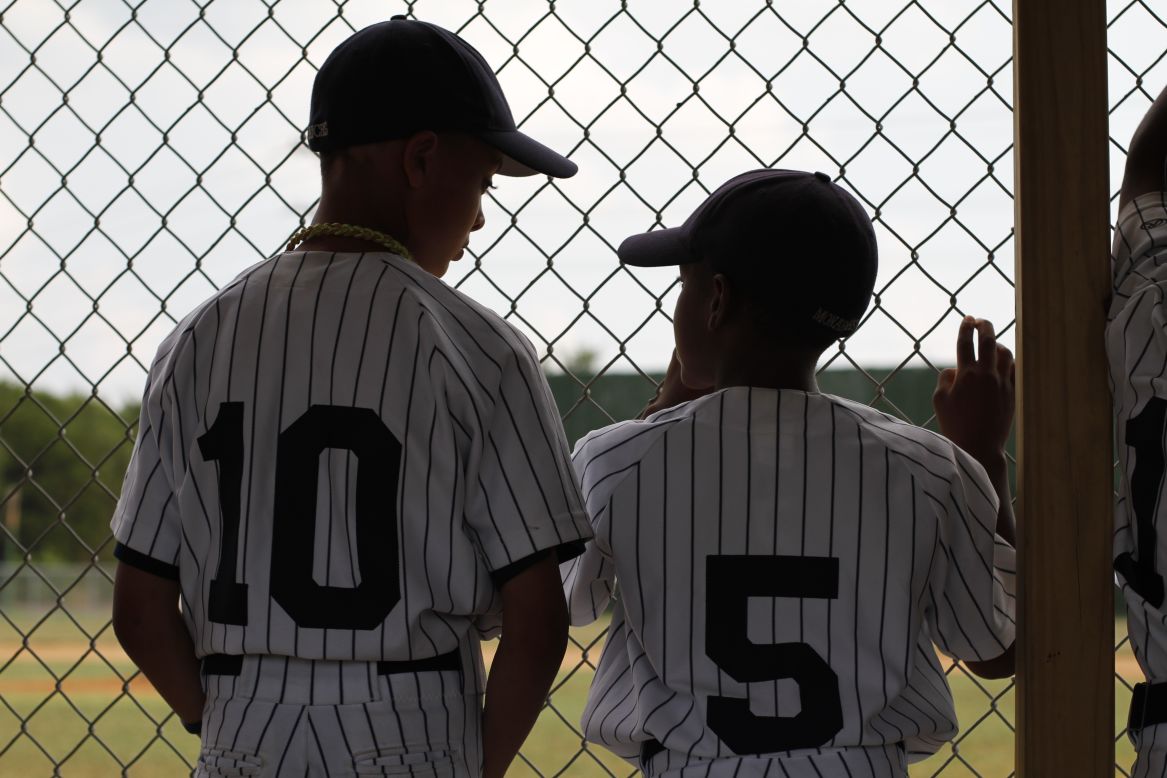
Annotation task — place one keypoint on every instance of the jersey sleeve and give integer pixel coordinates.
(590, 578)
(146, 522)
(973, 586)
(601, 460)
(523, 497)
(1141, 231)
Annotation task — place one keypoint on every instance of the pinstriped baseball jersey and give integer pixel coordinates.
(338, 456)
(1136, 347)
(779, 564)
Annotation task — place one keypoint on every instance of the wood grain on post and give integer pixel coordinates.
(1065, 656)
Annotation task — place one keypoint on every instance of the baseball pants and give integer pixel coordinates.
(281, 716)
(1151, 753)
(875, 762)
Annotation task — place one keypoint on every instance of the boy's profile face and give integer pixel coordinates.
(691, 325)
(446, 204)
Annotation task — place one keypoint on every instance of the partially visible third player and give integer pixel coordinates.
(1136, 348)
(779, 562)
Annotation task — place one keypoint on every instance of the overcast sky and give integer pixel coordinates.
(202, 174)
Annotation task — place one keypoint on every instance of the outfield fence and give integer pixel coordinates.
(149, 151)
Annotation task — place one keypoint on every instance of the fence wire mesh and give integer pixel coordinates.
(151, 150)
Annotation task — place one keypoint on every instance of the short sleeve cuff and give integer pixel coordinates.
(145, 563)
(564, 552)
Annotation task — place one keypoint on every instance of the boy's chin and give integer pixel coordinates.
(435, 267)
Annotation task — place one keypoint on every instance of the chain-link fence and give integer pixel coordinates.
(151, 150)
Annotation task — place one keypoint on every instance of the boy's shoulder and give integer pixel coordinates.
(461, 318)
(602, 457)
(466, 330)
(1140, 243)
(884, 426)
(635, 435)
(876, 426)
(938, 465)
(174, 343)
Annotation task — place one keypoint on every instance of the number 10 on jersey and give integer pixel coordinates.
(293, 522)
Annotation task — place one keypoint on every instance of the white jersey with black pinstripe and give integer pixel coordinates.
(339, 457)
(779, 565)
(1136, 347)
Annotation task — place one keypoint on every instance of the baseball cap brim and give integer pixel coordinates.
(525, 156)
(659, 248)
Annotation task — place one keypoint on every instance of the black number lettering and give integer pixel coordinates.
(223, 443)
(310, 604)
(1144, 433)
(729, 582)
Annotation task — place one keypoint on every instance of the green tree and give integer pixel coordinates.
(62, 458)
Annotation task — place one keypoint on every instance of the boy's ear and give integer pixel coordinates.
(418, 157)
(720, 301)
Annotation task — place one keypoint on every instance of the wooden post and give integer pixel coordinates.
(1065, 650)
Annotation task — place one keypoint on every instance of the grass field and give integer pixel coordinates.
(64, 700)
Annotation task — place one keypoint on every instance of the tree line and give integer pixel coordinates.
(63, 455)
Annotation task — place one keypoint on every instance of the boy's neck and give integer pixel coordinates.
(773, 376)
(348, 198)
(342, 243)
(748, 359)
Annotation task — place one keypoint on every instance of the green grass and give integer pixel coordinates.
(74, 710)
(63, 699)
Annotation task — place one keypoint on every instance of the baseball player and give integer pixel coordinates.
(779, 562)
(1136, 347)
(347, 471)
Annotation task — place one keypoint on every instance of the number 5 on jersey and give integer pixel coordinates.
(730, 582)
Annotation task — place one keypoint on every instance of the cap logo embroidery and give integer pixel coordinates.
(317, 131)
(1153, 223)
(836, 323)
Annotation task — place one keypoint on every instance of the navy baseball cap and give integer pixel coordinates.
(399, 77)
(795, 241)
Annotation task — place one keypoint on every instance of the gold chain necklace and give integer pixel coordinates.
(348, 231)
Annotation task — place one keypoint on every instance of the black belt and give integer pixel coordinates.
(232, 664)
(1148, 707)
(222, 664)
(450, 661)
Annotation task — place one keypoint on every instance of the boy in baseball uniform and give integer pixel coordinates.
(780, 562)
(347, 471)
